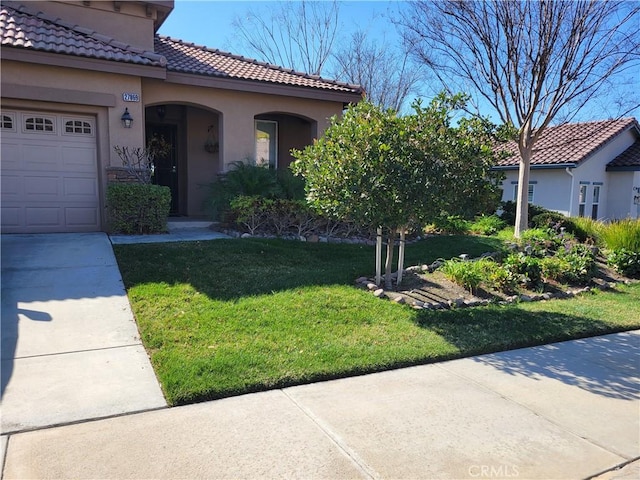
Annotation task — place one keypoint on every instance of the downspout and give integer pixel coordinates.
(571, 194)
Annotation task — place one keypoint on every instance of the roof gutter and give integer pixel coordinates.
(536, 167)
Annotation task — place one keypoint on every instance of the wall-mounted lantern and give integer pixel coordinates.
(126, 118)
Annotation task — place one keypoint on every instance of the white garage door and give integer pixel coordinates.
(49, 173)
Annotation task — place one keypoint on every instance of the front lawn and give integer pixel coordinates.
(227, 317)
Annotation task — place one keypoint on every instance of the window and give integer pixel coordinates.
(267, 143)
(38, 124)
(596, 202)
(7, 122)
(78, 126)
(529, 192)
(582, 200)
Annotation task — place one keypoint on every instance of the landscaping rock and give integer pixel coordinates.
(525, 298)
(379, 293)
(245, 235)
(362, 280)
(313, 239)
(372, 286)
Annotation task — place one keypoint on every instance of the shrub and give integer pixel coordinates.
(539, 242)
(580, 263)
(587, 230)
(487, 225)
(509, 212)
(622, 234)
(467, 274)
(251, 211)
(525, 269)
(135, 208)
(625, 262)
(553, 268)
(452, 224)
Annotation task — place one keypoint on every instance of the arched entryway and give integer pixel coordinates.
(276, 133)
(193, 160)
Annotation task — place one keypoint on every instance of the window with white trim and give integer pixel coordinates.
(39, 124)
(8, 121)
(530, 192)
(596, 202)
(582, 200)
(79, 127)
(267, 143)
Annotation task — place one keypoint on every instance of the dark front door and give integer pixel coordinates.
(166, 163)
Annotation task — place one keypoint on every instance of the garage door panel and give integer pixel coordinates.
(43, 216)
(79, 159)
(80, 188)
(41, 158)
(42, 187)
(10, 154)
(81, 217)
(11, 217)
(12, 186)
(49, 174)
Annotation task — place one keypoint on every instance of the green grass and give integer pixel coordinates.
(224, 317)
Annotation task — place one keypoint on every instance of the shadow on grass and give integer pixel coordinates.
(232, 269)
(605, 365)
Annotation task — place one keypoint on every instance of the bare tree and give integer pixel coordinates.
(532, 61)
(387, 75)
(296, 35)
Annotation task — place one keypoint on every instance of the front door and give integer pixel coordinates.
(166, 163)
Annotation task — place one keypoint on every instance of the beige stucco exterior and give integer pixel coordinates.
(199, 108)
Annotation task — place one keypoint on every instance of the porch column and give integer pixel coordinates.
(237, 137)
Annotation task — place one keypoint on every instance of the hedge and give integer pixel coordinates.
(135, 208)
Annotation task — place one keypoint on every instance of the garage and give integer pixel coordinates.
(49, 173)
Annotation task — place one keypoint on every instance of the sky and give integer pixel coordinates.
(210, 23)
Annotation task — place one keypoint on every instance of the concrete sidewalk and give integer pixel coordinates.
(567, 410)
(70, 346)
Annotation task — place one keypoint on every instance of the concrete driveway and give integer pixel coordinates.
(70, 346)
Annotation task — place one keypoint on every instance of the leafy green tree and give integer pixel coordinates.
(380, 169)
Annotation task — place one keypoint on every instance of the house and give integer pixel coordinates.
(587, 169)
(82, 77)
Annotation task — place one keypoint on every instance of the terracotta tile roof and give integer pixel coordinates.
(21, 28)
(628, 159)
(571, 142)
(189, 58)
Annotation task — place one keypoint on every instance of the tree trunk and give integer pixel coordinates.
(389, 261)
(378, 256)
(401, 257)
(522, 202)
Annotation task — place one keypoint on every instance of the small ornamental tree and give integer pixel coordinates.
(380, 169)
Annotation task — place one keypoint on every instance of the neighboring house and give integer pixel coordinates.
(587, 169)
(70, 72)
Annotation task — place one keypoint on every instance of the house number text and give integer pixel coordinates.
(130, 97)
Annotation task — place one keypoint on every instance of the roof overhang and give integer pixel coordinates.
(631, 168)
(262, 87)
(81, 63)
(555, 166)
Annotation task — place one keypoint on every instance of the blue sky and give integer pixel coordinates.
(209, 23)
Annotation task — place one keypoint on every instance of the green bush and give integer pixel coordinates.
(135, 208)
(452, 224)
(487, 225)
(587, 230)
(525, 269)
(622, 234)
(509, 212)
(467, 274)
(580, 263)
(625, 262)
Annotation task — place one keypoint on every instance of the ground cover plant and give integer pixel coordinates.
(227, 317)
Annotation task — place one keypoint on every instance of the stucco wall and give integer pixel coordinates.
(552, 188)
(623, 187)
(238, 110)
(130, 25)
